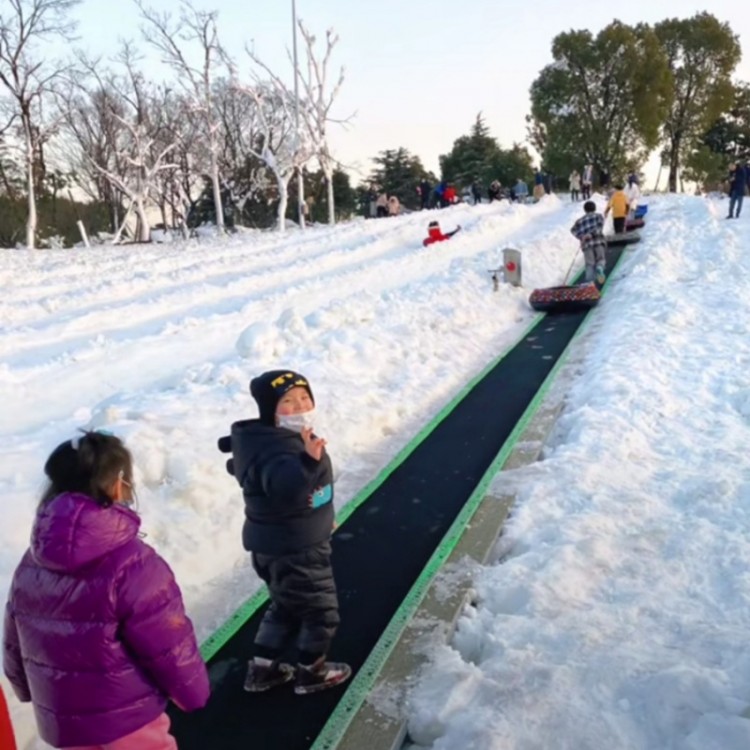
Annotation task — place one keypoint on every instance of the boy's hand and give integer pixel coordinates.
(314, 446)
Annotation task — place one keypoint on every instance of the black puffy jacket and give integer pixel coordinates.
(288, 494)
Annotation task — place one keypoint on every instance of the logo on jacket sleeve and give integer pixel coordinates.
(321, 496)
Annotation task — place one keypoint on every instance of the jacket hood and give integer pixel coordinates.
(73, 530)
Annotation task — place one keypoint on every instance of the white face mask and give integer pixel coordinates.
(297, 422)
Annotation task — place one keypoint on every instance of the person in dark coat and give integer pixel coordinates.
(476, 192)
(439, 192)
(96, 636)
(539, 189)
(425, 191)
(548, 183)
(738, 184)
(287, 483)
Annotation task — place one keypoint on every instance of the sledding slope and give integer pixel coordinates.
(157, 344)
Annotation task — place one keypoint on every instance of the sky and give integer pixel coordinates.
(615, 613)
(417, 72)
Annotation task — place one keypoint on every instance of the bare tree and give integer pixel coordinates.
(199, 28)
(278, 143)
(121, 125)
(246, 175)
(282, 146)
(178, 135)
(316, 113)
(93, 129)
(28, 78)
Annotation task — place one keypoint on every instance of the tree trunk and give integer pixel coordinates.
(300, 198)
(31, 219)
(674, 164)
(121, 228)
(283, 201)
(115, 212)
(218, 205)
(144, 230)
(328, 172)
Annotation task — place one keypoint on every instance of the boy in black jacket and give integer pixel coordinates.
(287, 483)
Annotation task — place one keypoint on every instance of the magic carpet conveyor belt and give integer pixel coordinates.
(381, 549)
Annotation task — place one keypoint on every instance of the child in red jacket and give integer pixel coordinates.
(435, 234)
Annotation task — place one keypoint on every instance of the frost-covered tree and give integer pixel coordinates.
(278, 143)
(92, 127)
(194, 31)
(121, 124)
(246, 175)
(28, 76)
(315, 110)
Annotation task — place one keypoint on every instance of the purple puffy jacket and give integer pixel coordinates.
(96, 634)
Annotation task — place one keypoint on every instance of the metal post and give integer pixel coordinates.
(300, 181)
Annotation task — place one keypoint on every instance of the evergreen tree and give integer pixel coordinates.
(473, 157)
(316, 195)
(399, 172)
(702, 53)
(478, 156)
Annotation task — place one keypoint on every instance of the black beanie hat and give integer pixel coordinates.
(268, 388)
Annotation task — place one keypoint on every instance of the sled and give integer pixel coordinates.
(562, 299)
(620, 240)
(633, 224)
(640, 211)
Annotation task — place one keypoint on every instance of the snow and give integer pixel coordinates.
(615, 610)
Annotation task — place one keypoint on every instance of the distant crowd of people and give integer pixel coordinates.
(381, 204)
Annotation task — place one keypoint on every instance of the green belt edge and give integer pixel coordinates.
(365, 679)
(225, 632)
(362, 684)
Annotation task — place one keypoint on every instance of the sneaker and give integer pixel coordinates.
(321, 676)
(600, 277)
(264, 674)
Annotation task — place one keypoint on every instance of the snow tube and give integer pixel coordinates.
(626, 238)
(634, 224)
(641, 211)
(561, 299)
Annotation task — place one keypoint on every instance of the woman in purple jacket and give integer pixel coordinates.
(96, 635)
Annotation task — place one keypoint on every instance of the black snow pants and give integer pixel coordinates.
(304, 609)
